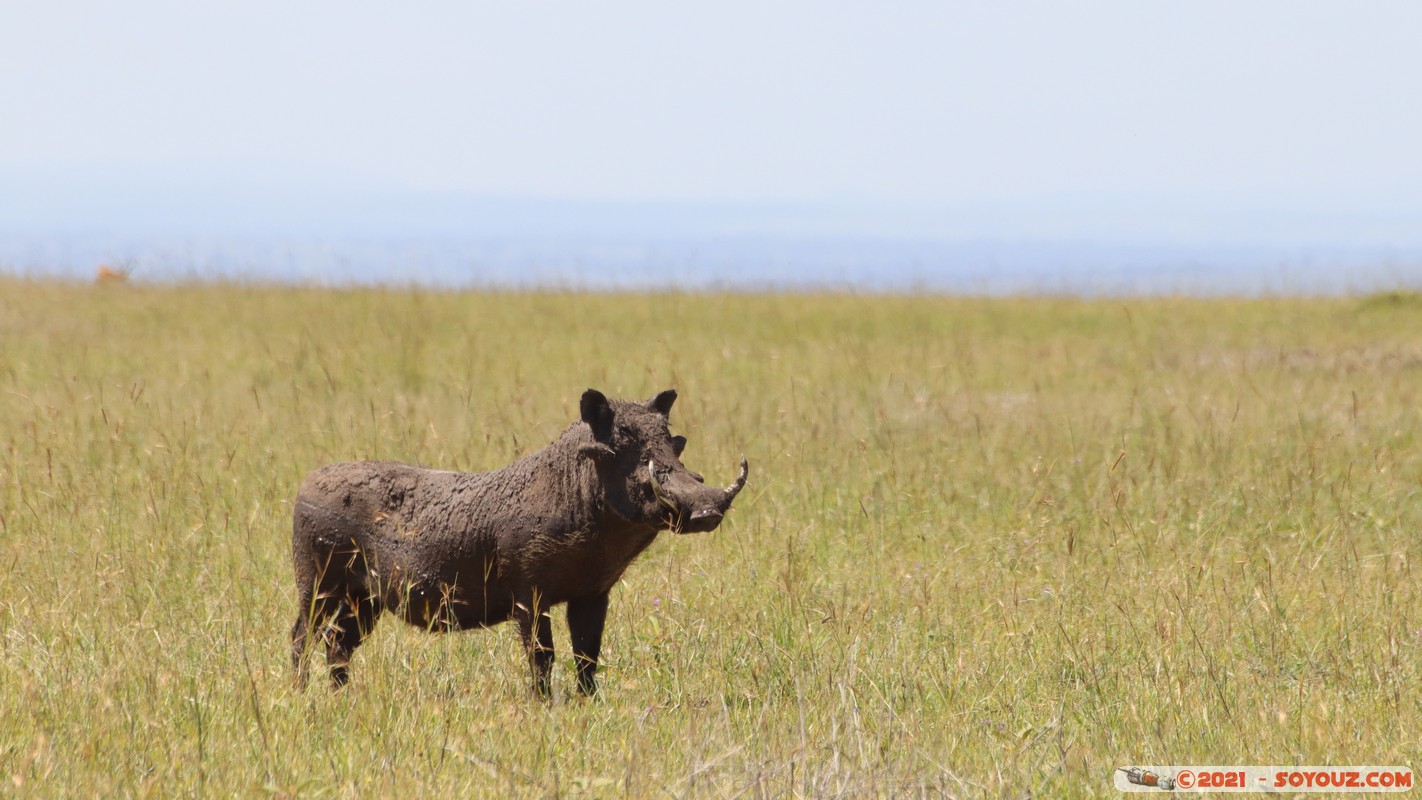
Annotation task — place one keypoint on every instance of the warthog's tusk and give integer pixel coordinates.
(735, 488)
(657, 488)
(666, 502)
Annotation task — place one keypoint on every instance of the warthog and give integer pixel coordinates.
(450, 550)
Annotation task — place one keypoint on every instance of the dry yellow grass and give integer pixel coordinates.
(990, 548)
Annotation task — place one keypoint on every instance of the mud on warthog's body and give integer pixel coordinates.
(450, 550)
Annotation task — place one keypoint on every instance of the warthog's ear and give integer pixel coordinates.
(662, 403)
(678, 445)
(597, 413)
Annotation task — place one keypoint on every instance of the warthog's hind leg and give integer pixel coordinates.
(307, 621)
(299, 642)
(585, 620)
(352, 623)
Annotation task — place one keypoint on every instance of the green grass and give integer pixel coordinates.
(989, 548)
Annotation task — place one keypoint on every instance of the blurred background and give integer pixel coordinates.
(1038, 147)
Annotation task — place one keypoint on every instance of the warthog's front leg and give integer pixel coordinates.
(585, 621)
(529, 614)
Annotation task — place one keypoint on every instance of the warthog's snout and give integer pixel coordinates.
(691, 505)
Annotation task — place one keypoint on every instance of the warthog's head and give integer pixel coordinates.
(639, 463)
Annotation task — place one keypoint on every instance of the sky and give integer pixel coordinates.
(1233, 121)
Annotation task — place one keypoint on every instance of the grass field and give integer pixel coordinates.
(989, 548)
